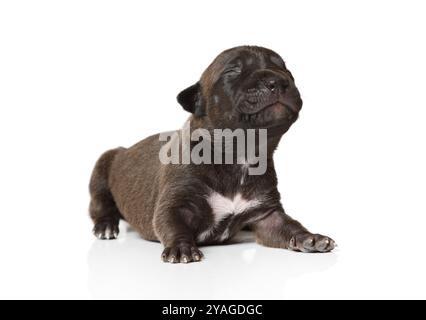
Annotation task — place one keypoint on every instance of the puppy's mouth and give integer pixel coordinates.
(269, 112)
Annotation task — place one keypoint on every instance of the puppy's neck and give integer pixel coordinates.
(273, 134)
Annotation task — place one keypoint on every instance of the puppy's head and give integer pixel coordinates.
(244, 87)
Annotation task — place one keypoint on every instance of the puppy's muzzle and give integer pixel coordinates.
(268, 90)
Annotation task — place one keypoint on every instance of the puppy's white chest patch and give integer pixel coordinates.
(223, 206)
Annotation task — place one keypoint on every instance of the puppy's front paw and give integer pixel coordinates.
(106, 230)
(308, 242)
(182, 253)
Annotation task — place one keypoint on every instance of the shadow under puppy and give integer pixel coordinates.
(186, 205)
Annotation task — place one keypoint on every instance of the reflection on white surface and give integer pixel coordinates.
(130, 267)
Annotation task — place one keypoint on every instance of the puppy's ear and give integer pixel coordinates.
(191, 100)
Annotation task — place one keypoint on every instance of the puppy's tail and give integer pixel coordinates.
(102, 209)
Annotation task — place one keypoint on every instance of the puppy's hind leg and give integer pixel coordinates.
(102, 209)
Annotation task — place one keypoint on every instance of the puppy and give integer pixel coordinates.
(184, 205)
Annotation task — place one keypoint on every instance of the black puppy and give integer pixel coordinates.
(186, 205)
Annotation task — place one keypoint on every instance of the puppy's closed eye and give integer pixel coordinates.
(232, 72)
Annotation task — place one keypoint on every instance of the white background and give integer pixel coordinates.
(80, 77)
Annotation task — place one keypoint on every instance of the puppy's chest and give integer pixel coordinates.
(223, 207)
(229, 214)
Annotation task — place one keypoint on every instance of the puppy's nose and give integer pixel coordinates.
(273, 84)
